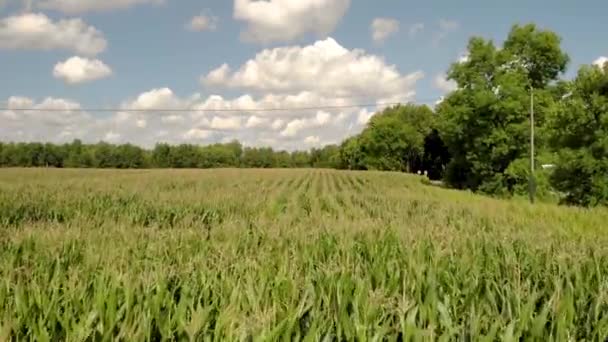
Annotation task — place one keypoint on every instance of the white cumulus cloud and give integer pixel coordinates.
(463, 58)
(202, 22)
(382, 28)
(312, 91)
(442, 83)
(325, 66)
(600, 61)
(172, 118)
(159, 98)
(312, 140)
(256, 122)
(197, 134)
(363, 116)
(79, 70)
(111, 137)
(81, 6)
(141, 123)
(277, 124)
(295, 126)
(225, 123)
(51, 119)
(36, 31)
(286, 20)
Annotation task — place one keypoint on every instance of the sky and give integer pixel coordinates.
(217, 66)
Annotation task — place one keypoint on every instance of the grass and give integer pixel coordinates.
(290, 255)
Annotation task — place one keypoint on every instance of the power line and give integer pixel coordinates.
(190, 110)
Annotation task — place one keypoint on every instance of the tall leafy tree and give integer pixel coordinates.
(485, 122)
(580, 134)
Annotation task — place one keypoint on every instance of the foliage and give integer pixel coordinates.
(127, 156)
(518, 173)
(580, 134)
(351, 154)
(290, 255)
(400, 138)
(485, 122)
(326, 157)
(394, 138)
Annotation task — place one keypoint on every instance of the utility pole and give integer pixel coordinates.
(532, 180)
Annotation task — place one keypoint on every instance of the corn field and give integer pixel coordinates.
(313, 255)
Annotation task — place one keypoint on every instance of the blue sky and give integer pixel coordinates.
(152, 52)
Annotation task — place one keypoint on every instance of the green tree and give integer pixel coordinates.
(52, 156)
(255, 157)
(74, 154)
(300, 159)
(282, 159)
(128, 156)
(351, 154)
(485, 122)
(185, 156)
(580, 135)
(393, 140)
(326, 157)
(161, 155)
(103, 155)
(5, 154)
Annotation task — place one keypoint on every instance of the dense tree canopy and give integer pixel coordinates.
(127, 156)
(400, 138)
(394, 138)
(579, 132)
(485, 122)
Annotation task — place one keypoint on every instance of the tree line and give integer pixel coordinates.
(128, 156)
(477, 138)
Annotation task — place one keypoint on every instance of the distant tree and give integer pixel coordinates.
(254, 157)
(282, 159)
(236, 152)
(300, 159)
(52, 156)
(351, 154)
(103, 155)
(326, 157)
(161, 155)
(5, 154)
(185, 156)
(74, 154)
(128, 156)
(393, 140)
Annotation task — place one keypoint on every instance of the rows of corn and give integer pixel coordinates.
(309, 255)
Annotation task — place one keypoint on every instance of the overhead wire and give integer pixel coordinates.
(219, 110)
